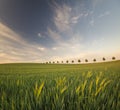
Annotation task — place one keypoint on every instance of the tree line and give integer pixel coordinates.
(79, 61)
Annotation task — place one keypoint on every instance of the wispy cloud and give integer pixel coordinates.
(68, 34)
(7, 33)
(106, 13)
(53, 34)
(39, 35)
(92, 21)
(13, 48)
(62, 18)
(65, 16)
(95, 3)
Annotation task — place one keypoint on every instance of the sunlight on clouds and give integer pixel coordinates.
(7, 33)
(41, 48)
(54, 48)
(74, 32)
(61, 19)
(54, 35)
(64, 17)
(13, 48)
(17, 51)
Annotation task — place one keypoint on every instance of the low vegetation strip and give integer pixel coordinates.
(60, 87)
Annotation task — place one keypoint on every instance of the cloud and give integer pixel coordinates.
(13, 48)
(62, 18)
(54, 48)
(95, 3)
(7, 33)
(67, 49)
(41, 48)
(75, 19)
(65, 17)
(71, 45)
(53, 34)
(106, 13)
(39, 35)
(92, 22)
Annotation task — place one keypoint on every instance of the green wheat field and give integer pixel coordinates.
(60, 86)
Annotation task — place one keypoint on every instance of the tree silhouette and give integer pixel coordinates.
(53, 62)
(79, 61)
(113, 58)
(57, 61)
(67, 61)
(61, 61)
(72, 61)
(49, 62)
(86, 60)
(104, 59)
(94, 60)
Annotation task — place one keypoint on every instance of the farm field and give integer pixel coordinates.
(29, 86)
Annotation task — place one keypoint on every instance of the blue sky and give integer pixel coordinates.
(51, 30)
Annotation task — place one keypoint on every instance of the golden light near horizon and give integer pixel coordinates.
(63, 31)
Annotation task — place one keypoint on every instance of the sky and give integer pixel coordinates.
(56, 30)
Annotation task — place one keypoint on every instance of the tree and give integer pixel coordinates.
(53, 62)
(94, 60)
(72, 61)
(49, 62)
(67, 61)
(113, 58)
(79, 61)
(61, 61)
(86, 60)
(57, 61)
(46, 62)
(104, 59)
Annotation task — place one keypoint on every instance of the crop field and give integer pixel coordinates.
(60, 86)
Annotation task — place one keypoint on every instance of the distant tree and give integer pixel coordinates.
(46, 62)
(86, 60)
(57, 61)
(67, 61)
(72, 61)
(104, 59)
(94, 60)
(61, 61)
(113, 58)
(79, 61)
(53, 62)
